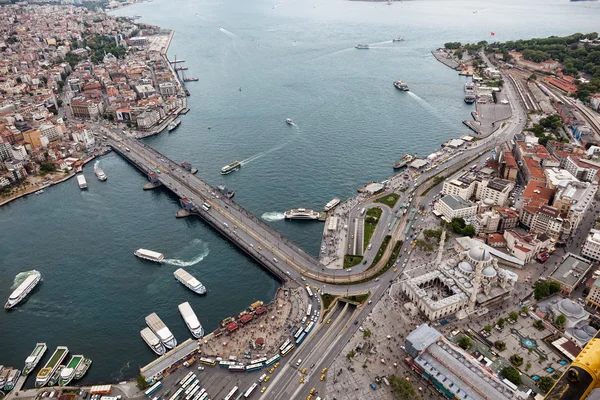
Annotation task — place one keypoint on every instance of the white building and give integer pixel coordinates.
(591, 247)
(453, 206)
(50, 132)
(18, 152)
(85, 137)
(574, 200)
(497, 190)
(147, 119)
(167, 89)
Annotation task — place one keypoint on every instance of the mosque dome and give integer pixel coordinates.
(570, 308)
(489, 272)
(465, 267)
(478, 253)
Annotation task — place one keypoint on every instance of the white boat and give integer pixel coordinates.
(362, 46)
(46, 373)
(40, 191)
(301, 213)
(161, 330)
(174, 124)
(191, 320)
(11, 380)
(398, 39)
(3, 375)
(149, 255)
(23, 290)
(234, 166)
(100, 174)
(153, 341)
(81, 182)
(32, 361)
(401, 85)
(67, 374)
(331, 205)
(189, 281)
(289, 121)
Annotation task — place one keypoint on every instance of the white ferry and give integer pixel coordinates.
(36, 355)
(398, 39)
(81, 182)
(149, 255)
(161, 330)
(289, 121)
(11, 380)
(100, 174)
(189, 281)
(174, 124)
(234, 166)
(401, 85)
(191, 320)
(301, 213)
(3, 375)
(51, 366)
(153, 341)
(331, 205)
(362, 46)
(68, 372)
(23, 290)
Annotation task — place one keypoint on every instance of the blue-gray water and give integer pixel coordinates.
(292, 59)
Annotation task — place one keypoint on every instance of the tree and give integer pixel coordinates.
(539, 324)
(500, 345)
(367, 333)
(516, 359)
(48, 167)
(513, 315)
(540, 289)
(501, 322)
(141, 382)
(545, 383)
(350, 355)
(554, 287)
(512, 374)
(452, 45)
(402, 388)
(488, 328)
(525, 309)
(465, 342)
(560, 320)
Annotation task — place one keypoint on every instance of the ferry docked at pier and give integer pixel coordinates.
(189, 281)
(161, 330)
(54, 379)
(4, 375)
(191, 320)
(149, 255)
(403, 161)
(362, 46)
(301, 213)
(401, 85)
(81, 370)
(174, 124)
(11, 379)
(34, 358)
(226, 192)
(100, 174)
(331, 205)
(470, 97)
(81, 182)
(153, 341)
(234, 166)
(398, 39)
(68, 372)
(51, 366)
(23, 290)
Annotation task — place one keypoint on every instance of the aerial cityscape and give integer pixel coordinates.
(227, 200)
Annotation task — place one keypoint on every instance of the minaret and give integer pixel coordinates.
(477, 278)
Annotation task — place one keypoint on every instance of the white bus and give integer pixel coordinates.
(231, 393)
(287, 350)
(310, 294)
(205, 206)
(176, 394)
(250, 390)
(362, 212)
(258, 360)
(153, 389)
(186, 378)
(283, 346)
(309, 310)
(298, 332)
(193, 393)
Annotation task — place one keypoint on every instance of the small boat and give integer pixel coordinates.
(398, 39)
(403, 161)
(100, 174)
(219, 28)
(174, 124)
(191, 79)
(189, 281)
(362, 46)
(289, 121)
(11, 380)
(332, 204)
(3, 376)
(40, 191)
(81, 182)
(240, 89)
(401, 85)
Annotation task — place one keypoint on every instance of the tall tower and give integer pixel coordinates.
(477, 256)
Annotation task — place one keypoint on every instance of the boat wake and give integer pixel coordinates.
(21, 276)
(427, 106)
(181, 263)
(96, 164)
(264, 153)
(272, 216)
(225, 31)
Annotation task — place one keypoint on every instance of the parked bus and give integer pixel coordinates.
(204, 396)
(362, 212)
(226, 364)
(176, 394)
(191, 388)
(272, 360)
(231, 393)
(205, 206)
(309, 327)
(200, 393)
(250, 390)
(259, 360)
(310, 293)
(207, 361)
(254, 367)
(300, 339)
(193, 393)
(237, 368)
(309, 310)
(187, 384)
(283, 346)
(287, 350)
(186, 378)
(298, 333)
(153, 389)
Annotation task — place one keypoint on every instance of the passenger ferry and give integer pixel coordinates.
(82, 368)
(301, 213)
(401, 85)
(234, 166)
(153, 341)
(398, 39)
(100, 174)
(81, 182)
(23, 290)
(191, 320)
(189, 281)
(51, 366)
(3, 376)
(362, 46)
(331, 205)
(68, 373)
(36, 355)
(11, 380)
(174, 124)
(54, 379)
(403, 161)
(470, 97)
(161, 330)
(149, 255)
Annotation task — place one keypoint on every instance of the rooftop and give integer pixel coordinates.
(456, 202)
(571, 269)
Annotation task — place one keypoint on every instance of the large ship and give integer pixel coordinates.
(68, 373)
(401, 85)
(100, 174)
(23, 290)
(470, 97)
(174, 124)
(226, 192)
(331, 205)
(161, 330)
(301, 213)
(153, 341)
(54, 379)
(3, 376)
(149, 255)
(11, 379)
(191, 320)
(51, 366)
(34, 358)
(362, 46)
(189, 281)
(82, 368)
(81, 182)
(403, 161)
(234, 166)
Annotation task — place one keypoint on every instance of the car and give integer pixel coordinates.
(272, 370)
(369, 246)
(200, 368)
(251, 245)
(348, 246)
(352, 237)
(288, 273)
(226, 224)
(349, 269)
(303, 278)
(356, 322)
(302, 380)
(324, 370)
(276, 364)
(308, 284)
(369, 302)
(263, 389)
(365, 262)
(260, 248)
(316, 288)
(313, 390)
(303, 370)
(274, 259)
(267, 378)
(309, 397)
(360, 328)
(329, 321)
(322, 377)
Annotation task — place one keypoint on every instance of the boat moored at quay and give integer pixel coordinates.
(149, 255)
(226, 192)
(173, 125)
(23, 290)
(82, 368)
(191, 320)
(11, 379)
(34, 358)
(161, 330)
(54, 379)
(3, 376)
(234, 166)
(153, 341)
(189, 281)
(332, 204)
(403, 161)
(68, 372)
(43, 377)
(301, 213)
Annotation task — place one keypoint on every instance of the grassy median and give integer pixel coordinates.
(389, 200)
(371, 221)
(351, 261)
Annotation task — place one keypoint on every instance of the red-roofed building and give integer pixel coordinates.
(564, 83)
(496, 240)
(532, 171)
(508, 166)
(526, 246)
